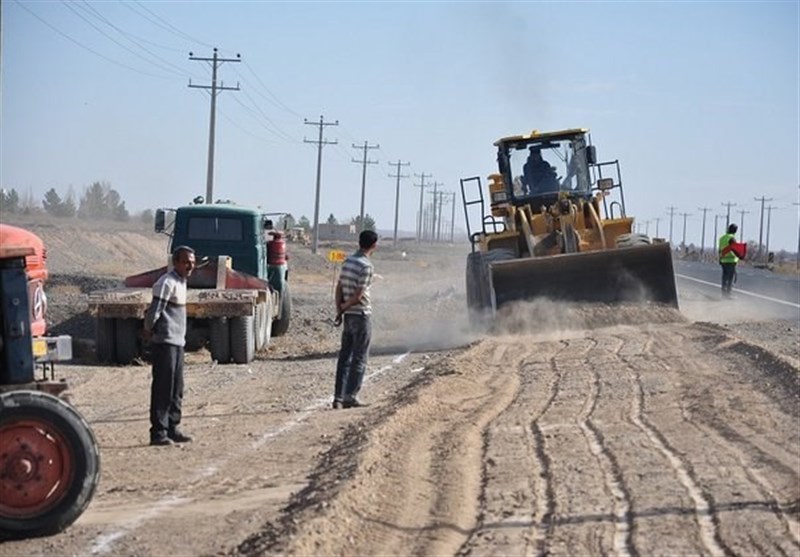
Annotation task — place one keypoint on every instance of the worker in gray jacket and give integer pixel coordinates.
(165, 326)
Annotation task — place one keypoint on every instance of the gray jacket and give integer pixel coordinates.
(166, 316)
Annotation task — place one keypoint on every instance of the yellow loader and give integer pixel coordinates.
(557, 229)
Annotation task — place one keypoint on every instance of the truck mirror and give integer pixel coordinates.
(591, 154)
(267, 224)
(605, 184)
(160, 220)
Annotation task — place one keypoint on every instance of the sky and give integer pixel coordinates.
(699, 102)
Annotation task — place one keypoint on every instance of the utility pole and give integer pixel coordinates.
(728, 214)
(453, 224)
(433, 217)
(319, 143)
(364, 162)
(441, 220)
(769, 219)
(761, 225)
(742, 213)
(703, 234)
(683, 241)
(398, 164)
(421, 187)
(657, 219)
(671, 215)
(216, 62)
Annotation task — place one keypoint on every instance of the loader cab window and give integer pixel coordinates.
(546, 168)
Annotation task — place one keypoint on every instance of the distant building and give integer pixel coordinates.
(340, 232)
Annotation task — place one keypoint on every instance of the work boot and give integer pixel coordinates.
(337, 405)
(160, 441)
(178, 436)
(355, 403)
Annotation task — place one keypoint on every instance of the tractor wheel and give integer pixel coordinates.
(50, 464)
(219, 342)
(127, 340)
(105, 340)
(243, 342)
(630, 240)
(281, 325)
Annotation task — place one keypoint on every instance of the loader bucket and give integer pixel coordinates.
(631, 274)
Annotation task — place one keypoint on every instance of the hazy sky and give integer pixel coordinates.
(698, 100)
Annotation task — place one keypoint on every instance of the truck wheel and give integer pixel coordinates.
(127, 340)
(263, 325)
(105, 340)
(281, 325)
(219, 342)
(243, 342)
(50, 464)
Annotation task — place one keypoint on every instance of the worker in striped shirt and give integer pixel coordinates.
(353, 311)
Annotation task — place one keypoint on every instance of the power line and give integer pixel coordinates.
(216, 61)
(168, 26)
(728, 214)
(421, 187)
(761, 225)
(319, 143)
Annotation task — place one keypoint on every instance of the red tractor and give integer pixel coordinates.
(49, 460)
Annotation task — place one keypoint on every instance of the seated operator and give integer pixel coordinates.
(538, 176)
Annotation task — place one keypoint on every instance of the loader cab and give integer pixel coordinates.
(538, 168)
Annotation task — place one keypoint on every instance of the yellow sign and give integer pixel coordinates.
(39, 347)
(336, 256)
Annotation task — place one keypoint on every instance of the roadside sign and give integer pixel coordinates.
(336, 256)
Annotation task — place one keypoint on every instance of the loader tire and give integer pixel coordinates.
(630, 240)
(474, 300)
(48, 436)
(281, 325)
(105, 340)
(219, 342)
(126, 334)
(243, 340)
(479, 295)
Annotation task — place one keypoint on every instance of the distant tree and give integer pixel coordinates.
(52, 203)
(93, 202)
(304, 223)
(147, 216)
(29, 204)
(9, 201)
(369, 222)
(332, 219)
(68, 208)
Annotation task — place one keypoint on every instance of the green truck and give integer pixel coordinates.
(238, 296)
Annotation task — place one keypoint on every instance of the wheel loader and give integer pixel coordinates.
(557, 229)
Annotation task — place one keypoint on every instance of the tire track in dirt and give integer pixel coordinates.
(415, 486)
(516, 510)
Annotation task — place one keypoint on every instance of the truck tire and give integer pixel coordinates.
(219, 342)
(105, 340)
(243, 342)
(51, 450)
(281, 325)
(126, 333)
(263, 324)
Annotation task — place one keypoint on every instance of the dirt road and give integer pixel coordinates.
(633, 434)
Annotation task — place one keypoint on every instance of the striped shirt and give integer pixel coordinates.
(357, 273)
(166, 316)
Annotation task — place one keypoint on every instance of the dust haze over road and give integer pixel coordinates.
(565, 430)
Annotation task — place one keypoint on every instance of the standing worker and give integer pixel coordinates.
(165, 325)
(728, 258)
(352, 303)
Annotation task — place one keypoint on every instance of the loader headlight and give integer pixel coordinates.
(499, 197)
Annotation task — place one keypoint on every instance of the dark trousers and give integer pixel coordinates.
(166, 390)
(728, 274)
(356, 336)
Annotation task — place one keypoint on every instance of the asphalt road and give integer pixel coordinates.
(757, 293)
